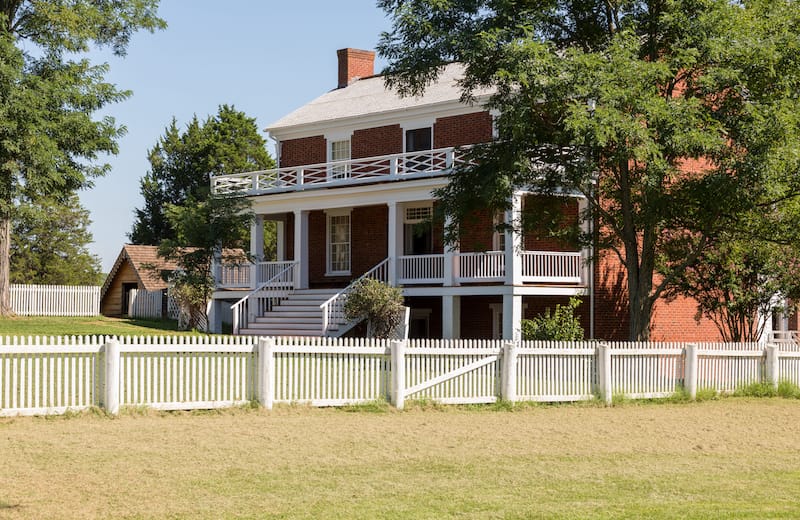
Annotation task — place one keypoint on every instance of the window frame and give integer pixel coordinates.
(330, 215)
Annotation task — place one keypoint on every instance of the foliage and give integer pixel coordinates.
(182, 161)
(49, 244)
(49, 142)
(676, 120)
(378, 303)
(205, 230)
(738, 284)
(561, 325)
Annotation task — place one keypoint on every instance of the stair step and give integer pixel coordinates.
(288, 319)
(297, 308)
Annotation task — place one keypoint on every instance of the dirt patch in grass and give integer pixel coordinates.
(733, 458)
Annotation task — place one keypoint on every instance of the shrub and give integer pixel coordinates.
(561, 325)
(378, 303)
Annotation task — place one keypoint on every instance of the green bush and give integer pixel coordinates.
(561, 325)
(378, 303)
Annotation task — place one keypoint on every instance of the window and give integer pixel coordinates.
(419, 140)
(418, 231)
(339, 243)
(499, 237)
(340, 151)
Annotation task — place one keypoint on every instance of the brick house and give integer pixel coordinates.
(353, 197)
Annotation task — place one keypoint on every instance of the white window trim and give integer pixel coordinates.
(417, 125)
(330, 159)
(337, 213)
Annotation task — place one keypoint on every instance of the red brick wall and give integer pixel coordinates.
(462, 130)
(368, 244)
(476, 232)
(476, 316)
(372, 142)
(535, 240)
(674, 320)
(307, 150)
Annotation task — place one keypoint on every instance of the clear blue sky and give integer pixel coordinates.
(265, 57)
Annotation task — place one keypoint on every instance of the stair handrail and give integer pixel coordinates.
(241, 319)
(333, 308)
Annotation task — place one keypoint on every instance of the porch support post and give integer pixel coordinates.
(450, 260)
(513, 245)
(587, 262)
(301, 248)
(256, 248)
(280, 239)
(512, 316)
(451, 317)
(215, 317)
(394, 244)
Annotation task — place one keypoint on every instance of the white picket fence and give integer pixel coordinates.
(55, 300)
(53, 375)
(148, 304)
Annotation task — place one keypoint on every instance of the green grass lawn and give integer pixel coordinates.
(96, 325)
(728, 458)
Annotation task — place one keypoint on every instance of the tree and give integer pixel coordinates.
(560, 325)
(673, 119)
(48, 245)
(182, 162)
(738, 284)
(49, 143)
(378, 303)
(204, 230)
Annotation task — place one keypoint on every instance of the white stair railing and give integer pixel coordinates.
(333, 308)
(262, 299)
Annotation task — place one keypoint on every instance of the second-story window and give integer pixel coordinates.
(419, 140)
(340, 151)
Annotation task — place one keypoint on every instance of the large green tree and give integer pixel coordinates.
(49, 244)
(673, 118)
(183, 160)
(49, 141)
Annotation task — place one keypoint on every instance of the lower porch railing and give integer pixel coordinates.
(240, 276)
(264, 298)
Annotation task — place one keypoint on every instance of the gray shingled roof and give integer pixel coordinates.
(369, 96)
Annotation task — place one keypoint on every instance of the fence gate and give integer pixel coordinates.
(470, 373)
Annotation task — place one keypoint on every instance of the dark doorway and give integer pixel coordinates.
(126, 296)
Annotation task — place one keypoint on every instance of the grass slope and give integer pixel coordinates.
(731, 458)
(80, 326)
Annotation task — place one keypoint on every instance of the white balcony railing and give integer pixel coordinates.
(489, 266)
(339, 173)
(420, 269)
(551, 267)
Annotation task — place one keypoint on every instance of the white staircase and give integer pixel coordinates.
(297, 315)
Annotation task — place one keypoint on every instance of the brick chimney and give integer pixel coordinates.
(355, 64)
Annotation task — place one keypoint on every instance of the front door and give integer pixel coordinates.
(126, 296)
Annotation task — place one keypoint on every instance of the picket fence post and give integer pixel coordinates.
(111, 383)
(398, 353)
(690, 370)
(266, 372)
(773, 365)
(604, 372)
(509, 376)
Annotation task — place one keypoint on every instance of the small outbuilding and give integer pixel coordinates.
(136, 268)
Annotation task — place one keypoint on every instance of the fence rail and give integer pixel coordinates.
(55, 300)
(53, 375)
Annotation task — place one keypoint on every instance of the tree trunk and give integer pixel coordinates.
(5, 264)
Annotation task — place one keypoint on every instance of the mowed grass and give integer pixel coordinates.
(729, 458)
(81, 326)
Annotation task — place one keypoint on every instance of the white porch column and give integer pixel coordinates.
(451, 317)
(450, 260)
(256, 248)
(394, 241)
(280, 237)
(513, 245)
(301, 248)
(512, 316)
(587, 261)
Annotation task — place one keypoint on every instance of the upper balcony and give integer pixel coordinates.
(369, 170)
